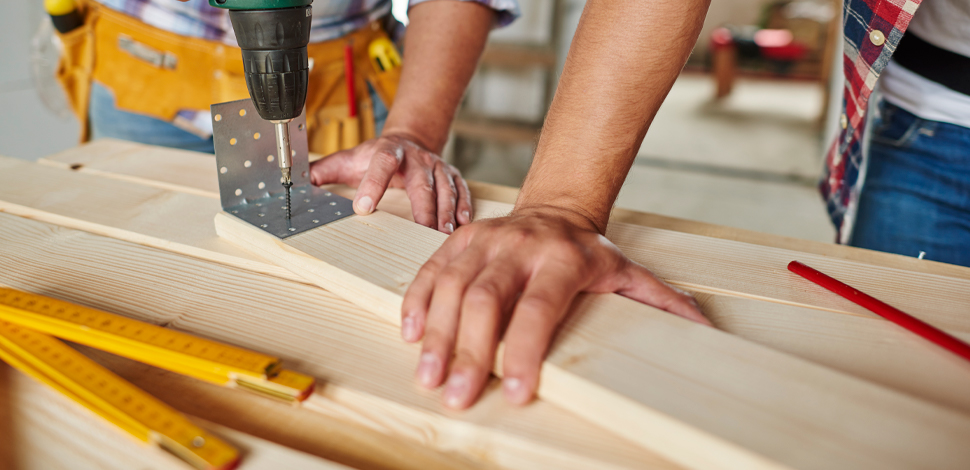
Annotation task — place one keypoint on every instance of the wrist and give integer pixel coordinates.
(427, 136)
(572, 214)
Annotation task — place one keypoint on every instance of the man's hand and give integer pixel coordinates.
(518, 274)
(439, 196)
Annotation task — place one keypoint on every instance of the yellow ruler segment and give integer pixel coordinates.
(161, 347)
(68, 371)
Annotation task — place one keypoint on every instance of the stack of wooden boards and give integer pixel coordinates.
(797, 378)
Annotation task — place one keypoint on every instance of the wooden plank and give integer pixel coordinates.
(190, 171)
(364, 370)
(666, 383)
(687, 260)
(801, 332)
(51, 432)
(868, 348)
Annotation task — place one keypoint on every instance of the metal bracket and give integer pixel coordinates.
(250, 183)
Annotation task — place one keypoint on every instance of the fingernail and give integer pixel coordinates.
(466, 215)
(409, 330)
(456, 390)
(515, 391)
(365, 205)
(428, 369)
(450, 227)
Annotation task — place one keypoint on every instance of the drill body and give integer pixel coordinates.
(273, 36)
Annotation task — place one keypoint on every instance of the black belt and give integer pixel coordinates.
(947, 68)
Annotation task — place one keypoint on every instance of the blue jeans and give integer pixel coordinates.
(916, 195)
(109, 121)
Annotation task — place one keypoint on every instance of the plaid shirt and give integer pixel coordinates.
(872, 30)
(331, 18)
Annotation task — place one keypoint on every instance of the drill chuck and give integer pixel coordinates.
(274, 52)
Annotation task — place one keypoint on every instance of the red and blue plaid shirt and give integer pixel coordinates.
(872, 30)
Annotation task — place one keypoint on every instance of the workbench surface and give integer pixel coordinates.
(128, 228)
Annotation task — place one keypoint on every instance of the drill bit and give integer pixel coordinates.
(285, 158)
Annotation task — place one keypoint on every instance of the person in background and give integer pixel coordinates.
(897, 179)
(148, 70)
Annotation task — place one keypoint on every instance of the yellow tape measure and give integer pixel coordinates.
(28, 323)
(88, 383)
(161, 347)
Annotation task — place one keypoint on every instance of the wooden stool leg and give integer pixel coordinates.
(724, 64)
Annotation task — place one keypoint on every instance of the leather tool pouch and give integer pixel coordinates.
(76, 66)
(158, 73)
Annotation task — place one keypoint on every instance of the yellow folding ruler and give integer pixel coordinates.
(28, 322)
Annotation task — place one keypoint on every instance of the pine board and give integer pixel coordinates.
(363, 368)
(687, 260)
(746, 405)
(192, 172)
(897, 359)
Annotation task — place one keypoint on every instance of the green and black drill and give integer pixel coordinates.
(273, 36)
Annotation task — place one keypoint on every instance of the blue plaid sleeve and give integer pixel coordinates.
(508, 10)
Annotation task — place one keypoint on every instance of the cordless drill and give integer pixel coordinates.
(273, 36)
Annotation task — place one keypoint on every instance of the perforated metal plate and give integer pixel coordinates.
(250, 183)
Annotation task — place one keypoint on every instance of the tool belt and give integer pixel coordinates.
(158, 73)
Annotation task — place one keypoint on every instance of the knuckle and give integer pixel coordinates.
(449, 279)
(483, 294)
(438, 340)
(471, 358)
(539, 305)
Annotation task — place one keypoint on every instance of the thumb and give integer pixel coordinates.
(335, 168)
(643, 286)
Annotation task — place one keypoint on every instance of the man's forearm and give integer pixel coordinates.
(441, 50)
(624, 58)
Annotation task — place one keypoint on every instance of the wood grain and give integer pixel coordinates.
(661, 381)
(363, 368)
(718, 265)
(760, 272)
(192, 171)
(801, 332)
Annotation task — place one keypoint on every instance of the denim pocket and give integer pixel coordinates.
(897, 127)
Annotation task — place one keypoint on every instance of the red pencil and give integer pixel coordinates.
(883, 309)
(349, 73)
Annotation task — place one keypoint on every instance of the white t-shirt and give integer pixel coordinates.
(944, 24)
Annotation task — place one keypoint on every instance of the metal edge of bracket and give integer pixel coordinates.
(250, 185)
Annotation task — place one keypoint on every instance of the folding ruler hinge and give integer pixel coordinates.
(250, 184)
